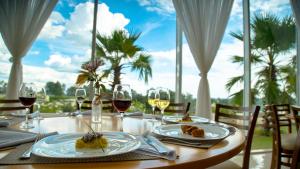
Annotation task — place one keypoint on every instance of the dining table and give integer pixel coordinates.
(188, 157)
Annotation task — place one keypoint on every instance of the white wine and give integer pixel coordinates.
(153, 102)
(162, 104)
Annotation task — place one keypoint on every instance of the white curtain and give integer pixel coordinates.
(20, 23)
(296, 9)
(204, 23)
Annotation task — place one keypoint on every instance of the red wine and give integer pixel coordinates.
(27, 101)
(121, 105)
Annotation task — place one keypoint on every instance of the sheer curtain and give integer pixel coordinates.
(296, 9)
(204, 23)
(20, 23)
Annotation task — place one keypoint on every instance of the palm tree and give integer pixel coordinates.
(271, 38)
(120, 52)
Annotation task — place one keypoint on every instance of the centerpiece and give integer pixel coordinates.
(87, 75)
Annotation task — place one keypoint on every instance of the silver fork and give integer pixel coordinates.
(27, 153)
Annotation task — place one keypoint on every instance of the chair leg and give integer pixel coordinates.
(290, 127)
(276, 158)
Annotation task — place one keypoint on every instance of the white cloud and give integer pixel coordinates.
(164, 7)
(66, 63)
(273, 6)
(42, 75)
(54, 27)
(149, 26)
(80, 25)
(220, 72)
(4, 53)
(58, 60)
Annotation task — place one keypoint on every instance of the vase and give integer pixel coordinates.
(97, 107)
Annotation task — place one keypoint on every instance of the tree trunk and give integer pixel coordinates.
(117, 74)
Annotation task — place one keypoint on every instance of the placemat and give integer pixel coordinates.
(13, 120)
(13, 158)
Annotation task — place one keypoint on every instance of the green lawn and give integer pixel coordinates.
(262, 142)
(265, 142)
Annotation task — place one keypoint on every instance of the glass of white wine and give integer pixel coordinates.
(80, 95)
(152, 101)
(163, 96)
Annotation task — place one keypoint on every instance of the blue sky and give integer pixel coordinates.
(64, 42)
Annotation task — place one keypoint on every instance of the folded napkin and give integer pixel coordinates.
(23, 114)
(9, 138)
(188, 143)
(129, 114)
(153, 147)
(4, 124)
(195, 143)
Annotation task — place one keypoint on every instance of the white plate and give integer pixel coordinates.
(212, 132)
(176, 119)
(63, 146)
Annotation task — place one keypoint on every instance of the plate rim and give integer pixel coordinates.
(192, 122)
(193, 138)
(96, 156)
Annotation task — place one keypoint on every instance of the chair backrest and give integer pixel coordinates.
(282, 111)
(106, 105)
(296, 154)
(276, 128)
(15, 105)
(296, 114)
(235, 113)
(181, 108)
(232, 115)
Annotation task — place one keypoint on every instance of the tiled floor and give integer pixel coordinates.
(258, 160)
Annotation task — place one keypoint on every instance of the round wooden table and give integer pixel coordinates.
(189, 157)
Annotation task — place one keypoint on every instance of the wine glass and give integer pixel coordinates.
(122, 98)
(40, 98)
(152, 101)
(163, 95)
(80, 95)
(27, 96)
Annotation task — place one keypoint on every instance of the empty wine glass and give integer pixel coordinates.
(40, 98)
(80, 95)
(122, 98)
(152, 101)
(27, 96)
(163, 96)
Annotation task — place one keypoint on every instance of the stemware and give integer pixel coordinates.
(122, 98)
(40, 98)
(80, 95)
(27, 96)
(152, 101)
(163, 96)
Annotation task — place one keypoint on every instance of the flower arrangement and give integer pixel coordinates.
(88, 73)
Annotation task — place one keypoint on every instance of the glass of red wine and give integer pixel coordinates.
(122, 98)
(27, 96)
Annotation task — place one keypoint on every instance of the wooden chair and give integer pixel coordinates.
(282, 111)
(106, 105)
(283, 144)
(180, 108)
(296, 155)
(228, 112)
(296, 115)
(6, 106)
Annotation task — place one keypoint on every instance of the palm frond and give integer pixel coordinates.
(143, 65)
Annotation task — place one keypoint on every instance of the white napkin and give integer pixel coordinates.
(10, 138)
(129, 114)
(4, 123)
(149, 149)
(23, 114)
